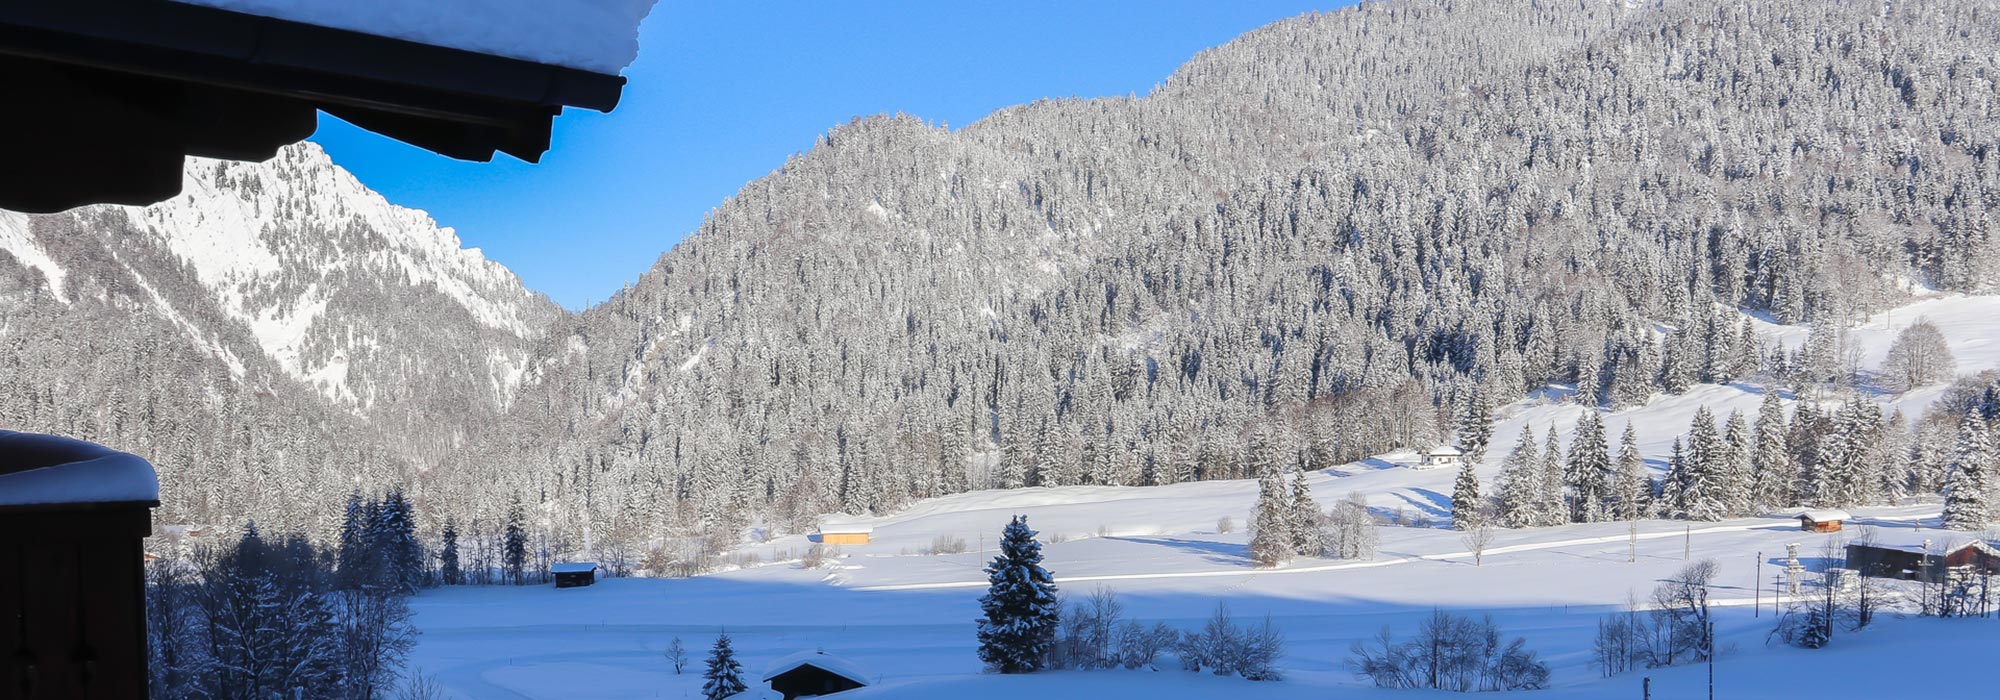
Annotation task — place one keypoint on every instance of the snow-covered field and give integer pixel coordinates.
(909, 618)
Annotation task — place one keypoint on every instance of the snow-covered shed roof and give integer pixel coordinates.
(1823, 515)
(47, 470)
(1445, 451)
(573, 567)
(845, 526)
(821, 660)
(600, 36)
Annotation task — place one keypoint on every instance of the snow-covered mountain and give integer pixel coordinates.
(273, 302)
(369, 303)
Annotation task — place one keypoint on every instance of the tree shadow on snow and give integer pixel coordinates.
(1217, 552)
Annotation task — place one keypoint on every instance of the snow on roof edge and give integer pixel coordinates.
(818, 659)
(600, 36)
(573, 567)
(72, 471)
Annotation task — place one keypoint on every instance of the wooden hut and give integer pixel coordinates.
(840, 531)
(812, 673)
(1822, 520)
(1982, 557)
(571, 574)
(73, 521)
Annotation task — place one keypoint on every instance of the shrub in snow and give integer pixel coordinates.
(1450, 652)
(1139, 647)
(1021, 610)
(947, 544)
(1681, 616)
(1226, 649)
(1226, 525)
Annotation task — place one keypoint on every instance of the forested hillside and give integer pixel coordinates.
(1327, 238)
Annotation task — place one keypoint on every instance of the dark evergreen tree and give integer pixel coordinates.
(724, 675)
(1020, 608)
(448, 565)
(514, 543)
(1467, 508)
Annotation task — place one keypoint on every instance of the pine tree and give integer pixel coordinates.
(1967, 487)
(1674, 485)
(1465, 501)
(1520, 482)
(393, 539)
(1702, 483)
(1549, 507)
(1770, 461)
(1271, 526)
(1589, 470)
(1735, 469)
(1020, 608)
(1303, 514)
(1475, 427)
(724, 675)
(514, 543)
(448, 567)
(1633, 486)
(354, 555)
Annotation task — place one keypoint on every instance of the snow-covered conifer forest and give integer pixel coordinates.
(1642, 261)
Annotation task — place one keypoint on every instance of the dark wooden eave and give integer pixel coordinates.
(106, 97)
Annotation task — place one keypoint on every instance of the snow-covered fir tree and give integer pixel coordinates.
(1304, 516)
(723, 676)
(1968, 488)
(1020, 609)
(1632, 487)
(1520, 482)
(1702, 483)
(1588, 471)
(1475, 427)
(1771, 461)
(1467, 507)
(1271, 525)
(449, 571)
(1551, 508)
(1734, 472)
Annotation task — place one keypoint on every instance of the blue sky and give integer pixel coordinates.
(723, 91)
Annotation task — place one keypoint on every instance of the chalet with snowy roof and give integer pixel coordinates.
(842, 531)
(814, 673)
(1822, 520)
(572, 574)
(73, 521)
(110, 96)
(1440, 457)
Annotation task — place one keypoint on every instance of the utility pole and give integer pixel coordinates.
(1687, 545)
(1649, 688)
(1757, 588)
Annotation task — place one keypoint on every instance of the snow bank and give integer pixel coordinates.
(45, 469)
(601, 36)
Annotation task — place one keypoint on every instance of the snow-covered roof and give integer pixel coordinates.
(46, 469)
(820, 660)
(1823, 515)
(845, 526)
(601, 36)
(573, 567)
(1445, 451)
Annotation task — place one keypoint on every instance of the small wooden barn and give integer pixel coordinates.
(840, 531)
(571, 574)
(73, 522)
(1982, 557)
(1886, 560)
(813, 673)
(1822, 520)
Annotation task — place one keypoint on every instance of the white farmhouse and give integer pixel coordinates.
(1439, 457)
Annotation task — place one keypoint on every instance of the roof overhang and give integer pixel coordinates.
(109, 96)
